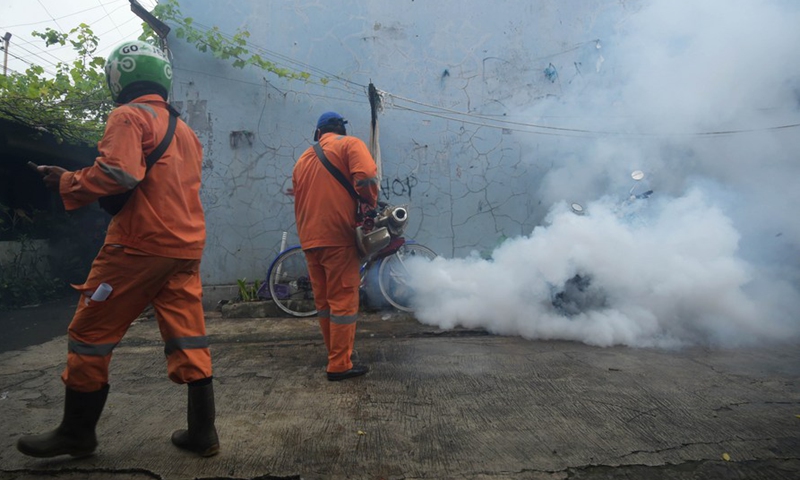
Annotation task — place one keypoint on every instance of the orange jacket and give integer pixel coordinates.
(164, 216)
(324, 210)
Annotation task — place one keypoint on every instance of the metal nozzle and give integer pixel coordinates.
(398, 218)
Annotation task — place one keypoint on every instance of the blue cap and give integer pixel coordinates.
(330, 118)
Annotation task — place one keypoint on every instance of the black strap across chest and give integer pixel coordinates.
(338, 174)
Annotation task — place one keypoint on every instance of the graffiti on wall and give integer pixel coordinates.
(398, 187)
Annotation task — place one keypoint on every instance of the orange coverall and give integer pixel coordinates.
(152, 250)
(326, 222)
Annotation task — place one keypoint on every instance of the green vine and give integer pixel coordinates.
(219, 45)
(73, 103)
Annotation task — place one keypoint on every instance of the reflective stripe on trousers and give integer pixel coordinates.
(174, 289)
(335, 279)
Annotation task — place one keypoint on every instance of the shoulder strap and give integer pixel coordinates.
(162, 147)
(338, 174)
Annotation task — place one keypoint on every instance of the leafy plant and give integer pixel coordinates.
(24, 277)
(72, 104)
(12, 220)
(220, 45)
(24, 280)
(248, 293)
(44, 252)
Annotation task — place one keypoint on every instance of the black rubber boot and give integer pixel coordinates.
(76, 434)
(201, 436)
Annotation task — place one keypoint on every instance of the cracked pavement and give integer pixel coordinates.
(436, 404)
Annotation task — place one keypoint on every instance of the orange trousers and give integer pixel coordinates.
(174, 289)
(335, 279)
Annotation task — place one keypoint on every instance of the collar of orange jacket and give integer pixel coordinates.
(149, 98)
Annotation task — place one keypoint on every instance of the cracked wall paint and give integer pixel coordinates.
(468, 183)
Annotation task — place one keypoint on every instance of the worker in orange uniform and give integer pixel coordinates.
(326, 222)
(151, 255)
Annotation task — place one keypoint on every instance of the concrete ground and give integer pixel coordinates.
(436, 405)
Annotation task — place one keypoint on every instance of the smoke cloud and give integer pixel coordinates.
(703, 97)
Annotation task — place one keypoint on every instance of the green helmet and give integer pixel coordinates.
(136, 61)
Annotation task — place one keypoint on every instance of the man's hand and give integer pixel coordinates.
(52, 175)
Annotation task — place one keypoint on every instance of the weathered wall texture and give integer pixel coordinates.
(451, 71)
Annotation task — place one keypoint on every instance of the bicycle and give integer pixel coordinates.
(290, 286)
(579, 294)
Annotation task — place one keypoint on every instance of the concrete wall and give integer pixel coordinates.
(457, 75)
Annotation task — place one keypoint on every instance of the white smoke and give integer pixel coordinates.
(699, 96)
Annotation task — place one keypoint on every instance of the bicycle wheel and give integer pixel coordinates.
(394, 278)
(290, 285)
